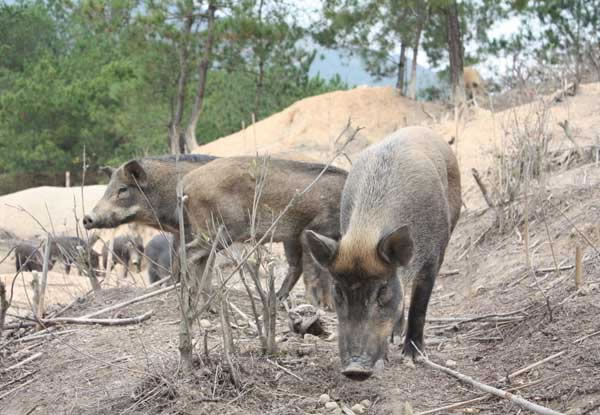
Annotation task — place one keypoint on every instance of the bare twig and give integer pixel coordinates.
(286, 370)
(578, 267)
(22, 362)
(228, 342)
(131, 301)
(482, 187)
(21, 386)
(523, 403)
(101, 321)
(474, 400)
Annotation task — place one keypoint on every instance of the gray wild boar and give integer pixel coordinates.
(159, 254)
(73, 250)
(28, 257)
(127, 249)
(399, 206)
(225, 190)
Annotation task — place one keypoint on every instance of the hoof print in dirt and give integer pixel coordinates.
(304, 319)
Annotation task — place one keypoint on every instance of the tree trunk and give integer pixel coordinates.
(177, 114)
(190, 135)
(401, 69)
(455, 52)
(412, 87)
(259, 87)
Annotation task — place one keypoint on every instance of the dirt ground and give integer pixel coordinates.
(538, 312)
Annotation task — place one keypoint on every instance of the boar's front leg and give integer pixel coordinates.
(421, 291)
(293, 254)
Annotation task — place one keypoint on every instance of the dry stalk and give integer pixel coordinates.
(3, 306)
(228, 349)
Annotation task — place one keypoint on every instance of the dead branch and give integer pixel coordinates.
(578, 267)
(22, 362)
(523, 403)
(482, 187)
(21, 386)
(286, 370)
(474, 400)
(569, 90)
(129, 302)
(511, 316)
(243, 315)
(3, 306)
(40, 307)
(551, 357)
(100, 321)
(566, 128)
(228, 342)
(551, 269)
(536, 364)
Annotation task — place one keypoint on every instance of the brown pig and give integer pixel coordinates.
(225, 190)
(474, 85)
(399, 206)
(143, 191)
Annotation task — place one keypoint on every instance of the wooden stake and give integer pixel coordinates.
(41, 306)
(67, 179)
(578, 267)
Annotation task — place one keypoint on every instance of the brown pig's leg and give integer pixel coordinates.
(293, 254)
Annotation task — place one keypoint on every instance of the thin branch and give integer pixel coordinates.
(523, 403)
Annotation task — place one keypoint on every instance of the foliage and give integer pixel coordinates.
(101, 75)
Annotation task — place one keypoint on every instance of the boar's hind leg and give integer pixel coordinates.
(421, 291)
(293, 254)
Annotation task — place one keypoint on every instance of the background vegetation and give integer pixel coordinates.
(121, 78)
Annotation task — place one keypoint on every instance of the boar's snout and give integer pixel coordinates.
(89, 221)
(356, 370)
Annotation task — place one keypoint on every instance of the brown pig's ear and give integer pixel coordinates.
(135, 173)
(322, 248)
(107, 170)
(396, 248)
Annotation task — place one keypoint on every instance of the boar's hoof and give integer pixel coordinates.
(357, 371)
(412, 350)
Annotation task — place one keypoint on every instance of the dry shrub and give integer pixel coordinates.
(521, 163)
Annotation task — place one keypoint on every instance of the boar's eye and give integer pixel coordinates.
(384, 296)
(122, 191)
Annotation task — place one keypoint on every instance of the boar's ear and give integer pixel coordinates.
(135, 172)
(322, 248)
(396, 248)
(107, 170)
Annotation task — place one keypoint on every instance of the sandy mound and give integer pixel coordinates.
(308, 128)
(32, 211)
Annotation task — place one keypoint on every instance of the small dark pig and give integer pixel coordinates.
(399, 206)
(224, 190)
(159, 254)
(127, 249)
(28, 257)
(73, 250)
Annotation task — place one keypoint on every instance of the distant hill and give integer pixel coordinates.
(329, 62)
